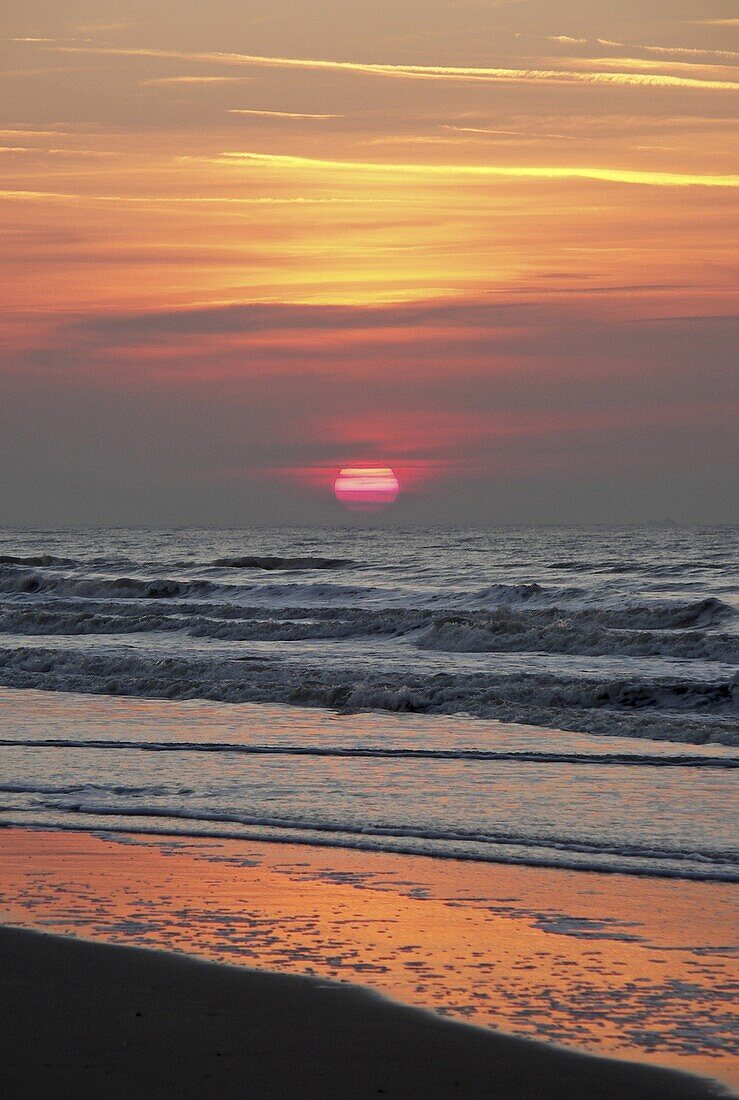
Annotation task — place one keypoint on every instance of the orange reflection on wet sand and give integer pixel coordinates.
(614, 964)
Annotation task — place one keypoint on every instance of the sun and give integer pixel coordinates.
(366, 488)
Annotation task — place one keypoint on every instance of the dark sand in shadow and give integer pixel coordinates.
(82, 1020)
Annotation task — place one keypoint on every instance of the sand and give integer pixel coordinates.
(89, 1020)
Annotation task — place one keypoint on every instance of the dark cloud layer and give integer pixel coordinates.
(546, 408)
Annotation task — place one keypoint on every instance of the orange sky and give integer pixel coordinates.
(492, 242)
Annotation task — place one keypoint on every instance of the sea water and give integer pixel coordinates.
(550, 696)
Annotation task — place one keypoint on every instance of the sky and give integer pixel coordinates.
(490, 245)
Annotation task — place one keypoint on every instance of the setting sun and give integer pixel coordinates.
(366, 488)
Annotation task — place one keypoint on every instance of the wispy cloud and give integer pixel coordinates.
(419, 72)
(37, 151)
(195, 80)
(17, 131)
(508, 133)
(687, 51)
(486, 130)
(85, 198)
(82, 152)
(606, 175)
(278, 114)
(726, 55)
(706, 70)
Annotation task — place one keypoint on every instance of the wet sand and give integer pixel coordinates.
(616, 965)
(90, 1020)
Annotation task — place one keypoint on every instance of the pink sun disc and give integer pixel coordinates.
(366, 488)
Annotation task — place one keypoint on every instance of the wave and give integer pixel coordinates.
(35, 621)
(481, 846)
(593, 632)
(684, 710)
(245, 561)
(39, 560)
(618, 566)
(271, 562)
(27, 581)
(620, 759)
(571, 635)
(497, 595)
(293, 624)
(16, 579)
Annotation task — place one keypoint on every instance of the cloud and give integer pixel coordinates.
(509, 133)
(16, 131)
(688, 51)
(163, 201)
(421, 72)
(283, 317)
(694, 67)
(278, 114)
(164, 80)
(605, 175)
(438, 325)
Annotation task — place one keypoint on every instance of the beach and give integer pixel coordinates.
(619, 966)
(87, 1020)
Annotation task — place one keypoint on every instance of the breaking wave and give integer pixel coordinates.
(512, 847)
(590, 634)
(639, 632)
(15, 579)
(695, 712)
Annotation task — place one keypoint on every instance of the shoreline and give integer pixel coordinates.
(79, 737)
(89, 1019)
(329, 845)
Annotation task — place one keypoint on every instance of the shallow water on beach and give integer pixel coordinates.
(458, 788)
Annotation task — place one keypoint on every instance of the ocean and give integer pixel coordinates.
(563, 696)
